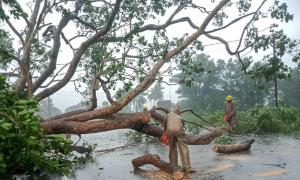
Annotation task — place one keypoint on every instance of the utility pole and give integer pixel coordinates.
(49, 113)
(275, 76)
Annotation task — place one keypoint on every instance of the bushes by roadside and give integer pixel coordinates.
(256, 120)
(24, 148)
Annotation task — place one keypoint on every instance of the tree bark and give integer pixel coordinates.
(233, 148)
(116, 121)
(136, 121)
(154, 160)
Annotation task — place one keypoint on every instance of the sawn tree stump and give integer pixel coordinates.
(157, 162)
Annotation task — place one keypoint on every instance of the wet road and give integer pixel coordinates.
(271, 157)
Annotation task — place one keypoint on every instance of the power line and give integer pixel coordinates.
(212, 44)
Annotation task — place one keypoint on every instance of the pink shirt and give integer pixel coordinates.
(229, 109)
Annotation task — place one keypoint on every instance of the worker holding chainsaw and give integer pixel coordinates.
(230, 112)
(176, 136)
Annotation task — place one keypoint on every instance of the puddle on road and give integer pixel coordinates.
(220, 167)
(273, 172)
(290, 151)
(235, 157)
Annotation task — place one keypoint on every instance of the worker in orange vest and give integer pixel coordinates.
(230, 112)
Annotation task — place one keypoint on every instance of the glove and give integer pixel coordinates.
(226, 117)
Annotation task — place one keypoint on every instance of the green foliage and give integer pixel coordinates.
(257, 120)
(24, 148)
(14, 9)
(287, 115)
(137, 137)
(5, 49)
(224, 139)
(280, 11)
(289, 90)
(265, 120)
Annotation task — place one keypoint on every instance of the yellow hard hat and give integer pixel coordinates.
(145, 107)
(229, 98)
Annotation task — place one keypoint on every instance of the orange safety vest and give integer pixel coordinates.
(164, 138)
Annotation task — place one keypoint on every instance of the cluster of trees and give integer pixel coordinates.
(290, 90)
(220, 78)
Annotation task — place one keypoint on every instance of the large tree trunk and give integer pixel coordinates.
(157, 162)
(233, 148)
(136, 121)
(116, 121)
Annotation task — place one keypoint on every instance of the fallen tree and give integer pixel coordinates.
(108, 118)
(233, 148)
(136, 121)
(107, 46)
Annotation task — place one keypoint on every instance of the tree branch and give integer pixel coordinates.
(106, 91)
(54, 54)
(14, 30)
(91, 108)
(247, 25)
(84, 23)
(67, 41)
(229, 24)
(10, 74)
(152, 73)
(56, 74)
(227, 47)
(80, 51)
(30, 34)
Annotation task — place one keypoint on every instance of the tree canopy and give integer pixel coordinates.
(124, 46)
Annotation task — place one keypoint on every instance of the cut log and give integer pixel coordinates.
(233, 148)
(154, 160)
